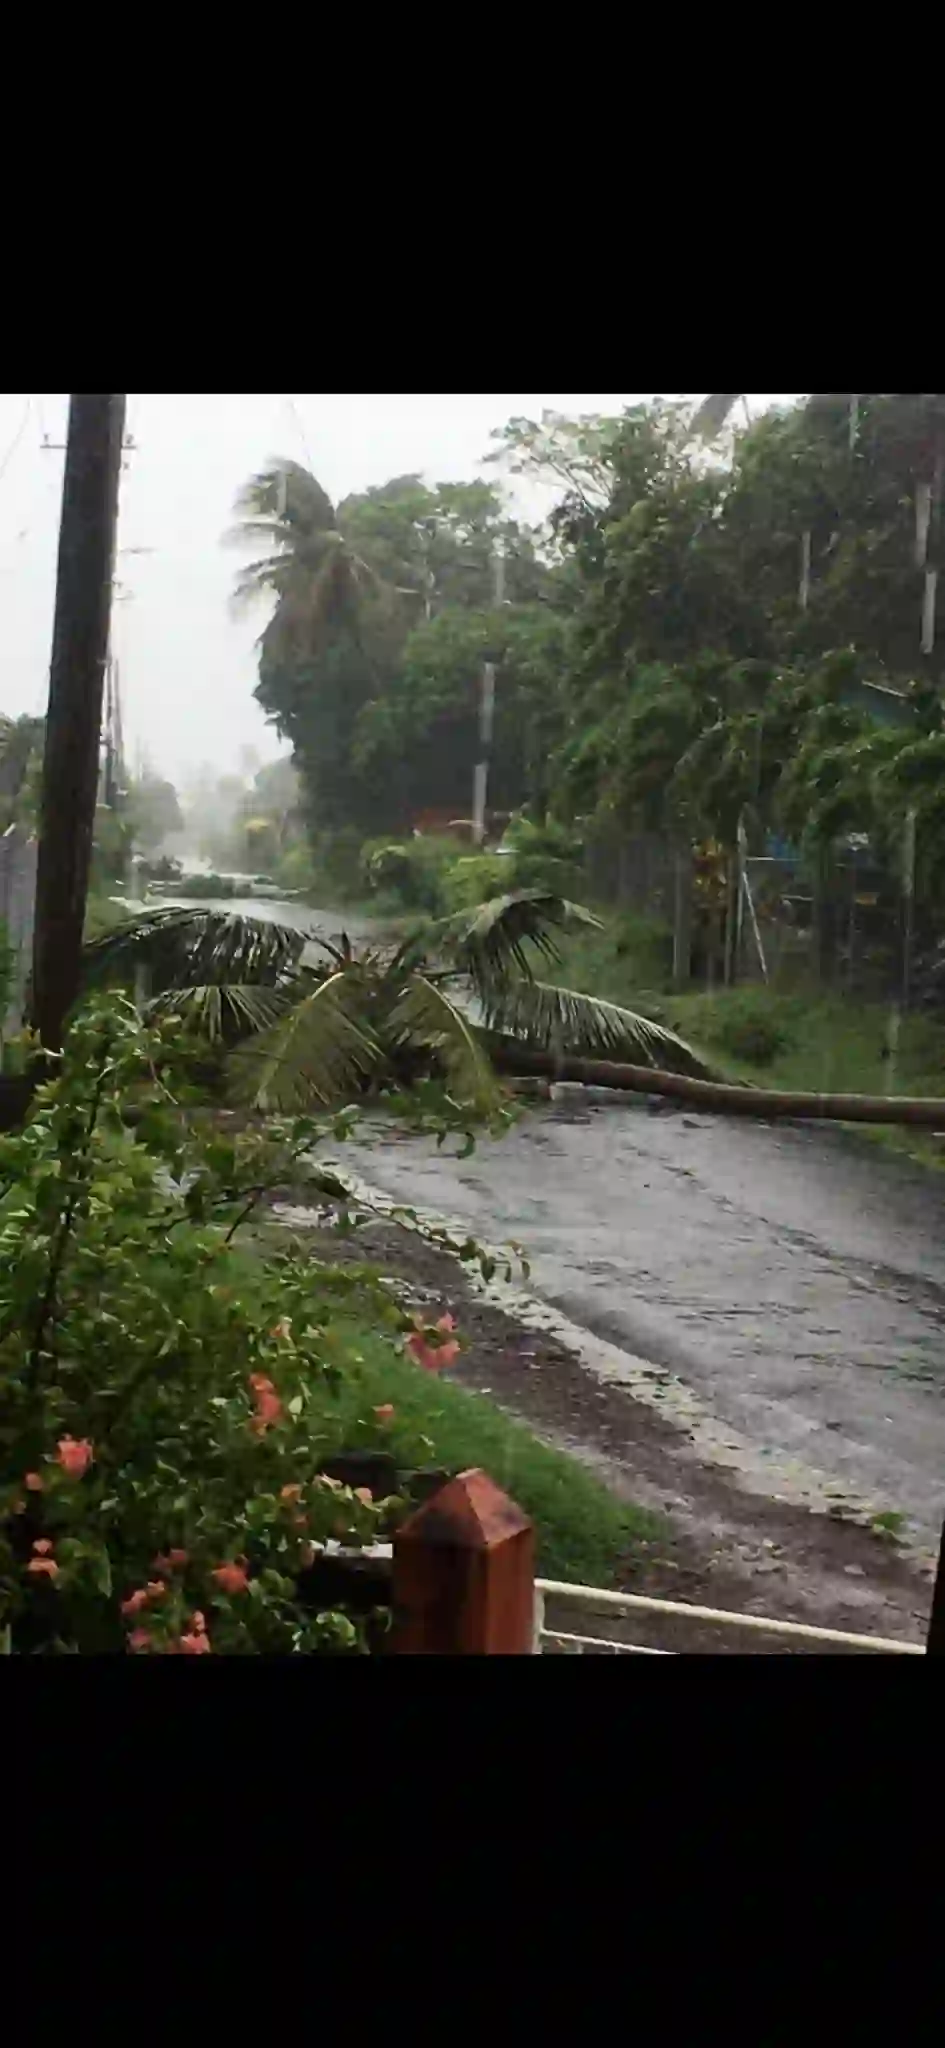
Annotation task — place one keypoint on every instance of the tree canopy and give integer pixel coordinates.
(692, 639)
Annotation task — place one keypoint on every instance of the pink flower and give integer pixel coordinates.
(269, 1411)
(33, 1482)
(197, 1622)
(74, 1457)
(268, 1404)
(432, 1357)
(195, 1645)
(139, 1639)
(385, 1411)
(231, 1578)
(290, 1493)
(44, 1564)
(364, 1494)
(172, 1561)
(42, 1546)
(135, 1602)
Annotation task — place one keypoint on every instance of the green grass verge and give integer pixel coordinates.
(584, 1532)
(828, 1044)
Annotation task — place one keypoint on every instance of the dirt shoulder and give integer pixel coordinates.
(724, 1547)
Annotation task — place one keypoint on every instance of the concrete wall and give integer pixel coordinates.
(17, 897)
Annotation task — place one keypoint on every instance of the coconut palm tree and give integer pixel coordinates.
(379, 1016)
(309, 566)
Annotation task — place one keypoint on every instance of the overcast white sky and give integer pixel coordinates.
(187, 667)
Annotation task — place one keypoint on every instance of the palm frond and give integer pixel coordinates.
(712, 414)
(287, 494)
(193, 948)
(489, 942)
(565, 1021)
(318, 1053)
(423, 1016)
(223, 1013)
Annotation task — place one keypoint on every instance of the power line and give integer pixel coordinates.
(17, 438)
(293, 408)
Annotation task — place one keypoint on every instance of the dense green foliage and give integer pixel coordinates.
(384, 614)
(156, 1400)
(694, 639)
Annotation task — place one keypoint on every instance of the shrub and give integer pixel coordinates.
(743, 1023)
(645, 941)
(412, 872)
(337, 858)
(477, 878)
(163, 870)
(296, 868)
(207, 885)
(167, 1407)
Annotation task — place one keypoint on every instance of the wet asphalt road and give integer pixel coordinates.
(792, 1278)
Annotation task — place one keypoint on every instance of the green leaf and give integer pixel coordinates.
(489, 942)
(565, 1021)
(102, 1574)
(423, 1016)
(318, 1053)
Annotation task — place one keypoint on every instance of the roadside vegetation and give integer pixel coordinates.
(714, 647)
(787, 1038)
(583, 1532)
(173, 1403)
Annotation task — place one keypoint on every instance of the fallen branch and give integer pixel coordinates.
(725, 1098)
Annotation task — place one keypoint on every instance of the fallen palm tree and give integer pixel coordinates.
(300, 1034)
(376, 1016)
(510, 1056)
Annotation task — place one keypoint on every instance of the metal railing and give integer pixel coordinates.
(597, 1598)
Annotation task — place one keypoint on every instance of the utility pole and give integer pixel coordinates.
(74, 715)
(486, 711)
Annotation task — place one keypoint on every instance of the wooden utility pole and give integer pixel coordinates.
(74, 715)
(486, 713)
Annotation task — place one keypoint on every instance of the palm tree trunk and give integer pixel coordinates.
(728, 1099)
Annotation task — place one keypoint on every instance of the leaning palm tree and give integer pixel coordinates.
(308, 566)
(439, 1003)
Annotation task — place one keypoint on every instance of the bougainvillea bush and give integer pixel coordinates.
(163, 1400)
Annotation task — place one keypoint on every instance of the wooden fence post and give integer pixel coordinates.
(464, 1574)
